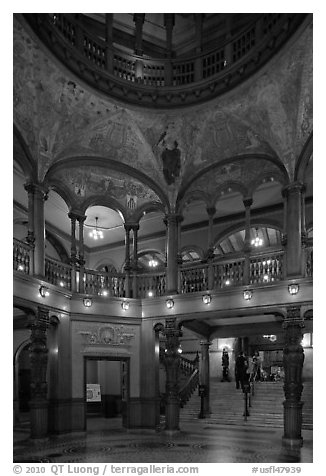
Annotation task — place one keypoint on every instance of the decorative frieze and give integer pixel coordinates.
(108, 336)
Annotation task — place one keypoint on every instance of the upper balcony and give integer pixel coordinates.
(265, 268)
(164, 82)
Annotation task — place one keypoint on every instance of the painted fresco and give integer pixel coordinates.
(269, 115)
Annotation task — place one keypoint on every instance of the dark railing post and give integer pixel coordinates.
(38, 361)
(293, 357)
(171, 362)
(109, 56)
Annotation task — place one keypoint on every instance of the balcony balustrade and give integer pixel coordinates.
(58, 273)
(163, 81)
(22, 258)
(265, 268)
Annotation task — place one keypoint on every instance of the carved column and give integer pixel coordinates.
(109, 41)
(38, 362)
(169, 24)
(40, 195)
(139, 21)
(135, 229)
(179, 255)
(29, 187)
(293, 195)
(293, 357)
(199, 40)
(204, 375)
(247, 245)
(210, 246)
(172, 253)
(73, 251)
(171, 362)
(81, 260)
(127, 260)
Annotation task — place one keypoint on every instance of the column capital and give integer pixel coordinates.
(139, 18)
(37, 188)
(73, 216)
(294, 187)
(293, 317)
(169, 19)
(211, 211)
(81, 218)
(131, 226)
(172, 218)
(247, 202)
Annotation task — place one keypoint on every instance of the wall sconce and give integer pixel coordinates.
(207, 298)
(293, 288)
(125, 305)
(87, 302)
(44, 291)
(169, 303)
(247, 294)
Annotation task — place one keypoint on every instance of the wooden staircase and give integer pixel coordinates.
(227, 405)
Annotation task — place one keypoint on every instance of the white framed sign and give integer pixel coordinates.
(93, 392)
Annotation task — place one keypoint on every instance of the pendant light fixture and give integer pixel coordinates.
(96, 234)
(257, 241)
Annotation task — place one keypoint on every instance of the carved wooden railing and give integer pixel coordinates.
(21, 256)
(164, 82)
(309, 261)
(104, 284)
(227, 273)
(266, 268)
(190, 368)
(194, 278)
(151, 284)
(58, 273)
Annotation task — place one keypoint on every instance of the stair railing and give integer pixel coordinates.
(189, 387)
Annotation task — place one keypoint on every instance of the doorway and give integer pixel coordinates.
(106, 392)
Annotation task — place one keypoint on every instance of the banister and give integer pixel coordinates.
(153, 88)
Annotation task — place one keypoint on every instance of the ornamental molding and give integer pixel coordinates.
(108, 335)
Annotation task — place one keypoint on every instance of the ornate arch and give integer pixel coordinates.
(238, 159)
(303, 159)
(235, 186)
(147, 208)
(23, 157)
(195, 195)
(241, 226)
(107, 164)
(108, 202)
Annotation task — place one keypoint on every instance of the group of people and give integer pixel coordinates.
(247, 369)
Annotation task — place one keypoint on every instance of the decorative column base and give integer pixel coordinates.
(39, 419)
(172, 410)
(292, 424)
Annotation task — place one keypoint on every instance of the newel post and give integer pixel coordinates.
(171, 362)
(293, 357)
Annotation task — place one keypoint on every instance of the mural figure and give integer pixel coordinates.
(171, 163)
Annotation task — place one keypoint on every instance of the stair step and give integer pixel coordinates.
(267, 405)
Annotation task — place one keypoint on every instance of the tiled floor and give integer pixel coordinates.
(198, 442)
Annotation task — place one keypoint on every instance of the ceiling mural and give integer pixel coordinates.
(59, 118)
(85, 182)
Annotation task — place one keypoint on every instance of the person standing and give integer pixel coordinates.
(225, 365)
(240, 370)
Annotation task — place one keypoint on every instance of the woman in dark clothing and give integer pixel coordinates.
(240, 370)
